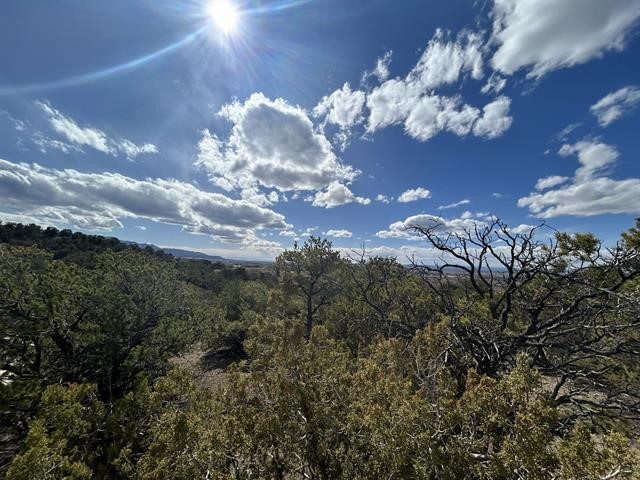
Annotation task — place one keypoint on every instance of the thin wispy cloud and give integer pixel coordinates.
(77, 137)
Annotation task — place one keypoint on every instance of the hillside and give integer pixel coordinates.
(132, 362)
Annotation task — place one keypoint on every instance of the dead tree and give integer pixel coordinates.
(569, 302)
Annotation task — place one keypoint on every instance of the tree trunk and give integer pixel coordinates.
(308, 325)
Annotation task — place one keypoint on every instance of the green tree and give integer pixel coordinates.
(310, 272)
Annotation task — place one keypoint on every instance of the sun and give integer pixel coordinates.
(224, 14)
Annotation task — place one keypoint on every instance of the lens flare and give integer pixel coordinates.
(224, 14)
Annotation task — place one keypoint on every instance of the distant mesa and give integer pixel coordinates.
(191, 255)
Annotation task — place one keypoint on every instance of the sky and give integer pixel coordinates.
(237, 127)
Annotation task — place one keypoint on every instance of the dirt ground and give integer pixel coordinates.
(207, 371)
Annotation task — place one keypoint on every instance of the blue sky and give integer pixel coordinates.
(234, 127)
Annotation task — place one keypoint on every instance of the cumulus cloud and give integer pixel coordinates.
(336, 194)
(78, 136)
(382, 198)
(590, 192)
(495, 119)
(342, 108)
(414, 194)
(445, 60)
(338, 233)
(412, 102)
(454, 204)
(391, 103)
(101, 200)
(272, 144)
(402, 229)
(433, 114)
(546, 35)
(615, 105)
(381, 70)
(425, 115)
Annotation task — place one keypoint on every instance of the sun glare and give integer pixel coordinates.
(224, 15)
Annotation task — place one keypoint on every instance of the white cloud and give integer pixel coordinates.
(433, 114)
(253, 195)
(382, 198)
(412, 102)
(495, 84)
(381, 70)
(402, 229)
(141, 227)
(407, 254)
(274, 197)
(550, 181)
(444, 60)
(467, 215)
(338, 233)
(337, 194)
(593, 197)
(131, 150)
(342, 108)
(495, 119)
(391, 103)
(454, 204)
(101, 200)
(616, 104)
(522, 229)
(74, 133)
(79, 137)
(404, 254)
(272, 144)
(255, 243)
(545, 35)
(414, 194)
(18, 125)
(590, 192)
(44, 144)
(424, 116)
(594, 157)
(563, 134)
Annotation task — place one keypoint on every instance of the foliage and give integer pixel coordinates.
(512, 358)
(310, 409)
(309, 272)
(73, 247)
(62, 324)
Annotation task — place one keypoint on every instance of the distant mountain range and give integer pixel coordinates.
(189, 254)
(177, 252)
